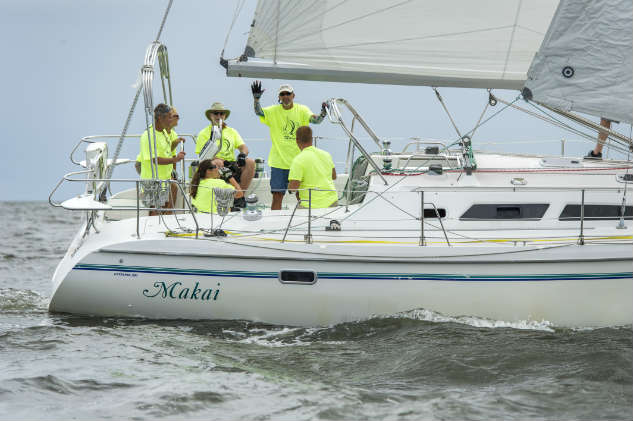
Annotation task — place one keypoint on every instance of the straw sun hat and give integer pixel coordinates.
(217, 106)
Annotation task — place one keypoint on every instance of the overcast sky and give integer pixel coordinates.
(68, 70)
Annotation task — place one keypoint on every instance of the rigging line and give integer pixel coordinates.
(555, 121)
(471, 132)
(439, 98)
(514, 26)
(162, 23)
(551, 120)
(238, 9)
(139, 89)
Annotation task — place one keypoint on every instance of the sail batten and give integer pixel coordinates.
(487, 44)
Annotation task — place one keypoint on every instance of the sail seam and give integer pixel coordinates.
(514, 27)
(360, 44)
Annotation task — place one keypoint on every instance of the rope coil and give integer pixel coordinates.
(223, 199)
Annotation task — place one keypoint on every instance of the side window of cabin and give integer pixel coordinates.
(596, 212)
(505, 211)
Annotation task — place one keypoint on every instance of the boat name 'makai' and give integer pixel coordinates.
(177, 291)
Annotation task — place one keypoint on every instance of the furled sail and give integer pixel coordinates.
(464, 43)
(586, 61)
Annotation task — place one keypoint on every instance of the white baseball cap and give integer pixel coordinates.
(285, 88)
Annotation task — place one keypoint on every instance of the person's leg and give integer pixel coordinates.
(278, 186)
(173, 194)
(248, 171)
(602, 137)
(277, 200)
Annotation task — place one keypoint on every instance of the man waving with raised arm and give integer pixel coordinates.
(283, 120)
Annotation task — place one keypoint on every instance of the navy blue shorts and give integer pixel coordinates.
(278, 180)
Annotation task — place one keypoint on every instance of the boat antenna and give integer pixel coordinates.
(139, 89)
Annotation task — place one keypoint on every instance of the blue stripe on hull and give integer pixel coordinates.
(378, 276)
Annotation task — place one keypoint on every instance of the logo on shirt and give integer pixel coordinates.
(289, 129)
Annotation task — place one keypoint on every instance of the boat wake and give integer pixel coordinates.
(271, 336)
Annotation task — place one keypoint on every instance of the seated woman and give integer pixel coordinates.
(204, 180)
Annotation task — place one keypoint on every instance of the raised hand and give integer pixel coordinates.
(256, 88)
(324, 108)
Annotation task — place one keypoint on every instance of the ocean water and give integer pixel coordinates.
(411, 366)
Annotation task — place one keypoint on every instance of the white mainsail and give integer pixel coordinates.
(462, 43)
(586, 61)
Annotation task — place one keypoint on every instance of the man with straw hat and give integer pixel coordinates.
(283, 120)
(243, 168)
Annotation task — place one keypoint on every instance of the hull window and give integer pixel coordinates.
(290, 276)
(430, 213)
(596, 212)
(505, 211)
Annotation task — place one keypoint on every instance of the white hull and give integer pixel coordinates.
(509, 269)
(566, 286)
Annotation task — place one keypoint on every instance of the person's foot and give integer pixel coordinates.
(593, 155)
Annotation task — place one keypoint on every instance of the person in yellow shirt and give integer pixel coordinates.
(283, 120)
(243, 168)
(312, 169)
(206, 177)
(172, 121)
(157, 163)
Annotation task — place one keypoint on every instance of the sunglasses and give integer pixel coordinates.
(285, 94)
(217, 112)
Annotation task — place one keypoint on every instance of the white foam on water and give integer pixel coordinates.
(432, 316)
(273, 338)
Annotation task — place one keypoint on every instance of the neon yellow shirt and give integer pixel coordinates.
(163, 150)
(231, 140)
(202, 201)
(313, 168)
(283, 127)
(172, 136)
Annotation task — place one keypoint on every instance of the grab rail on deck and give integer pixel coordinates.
(336, 117)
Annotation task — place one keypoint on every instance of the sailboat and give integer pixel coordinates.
(436, 226)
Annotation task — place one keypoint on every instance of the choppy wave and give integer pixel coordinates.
(431, 316)
(13, 300)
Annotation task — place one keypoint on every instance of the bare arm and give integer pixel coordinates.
(293, 185)
(333, 173)
(173, 160)
(238, 190)
(176, 142)
(243, 149)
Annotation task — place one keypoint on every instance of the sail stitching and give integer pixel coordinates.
(356, 19)
(360, 44)
(516, 19)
